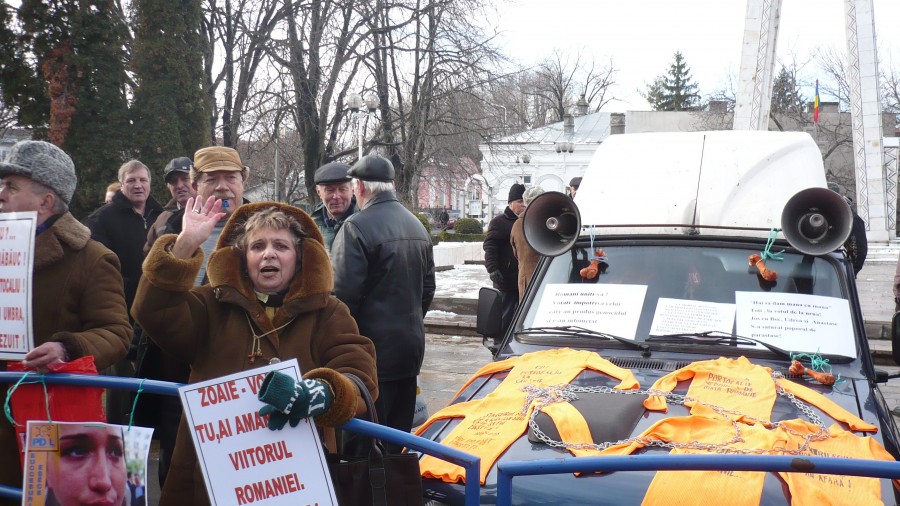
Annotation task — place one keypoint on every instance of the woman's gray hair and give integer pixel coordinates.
(276, 219)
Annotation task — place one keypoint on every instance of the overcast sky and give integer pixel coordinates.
(641, 36)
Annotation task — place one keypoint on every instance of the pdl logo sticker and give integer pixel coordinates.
(43, 437)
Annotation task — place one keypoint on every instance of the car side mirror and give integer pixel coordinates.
(895, 337)
(488, 314)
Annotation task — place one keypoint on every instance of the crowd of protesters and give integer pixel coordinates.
(210, 284)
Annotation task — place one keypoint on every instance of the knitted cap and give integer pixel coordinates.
(44, 163)
(516, 191)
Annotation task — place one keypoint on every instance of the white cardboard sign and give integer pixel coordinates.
(679, 316)
(614, 309)
(16, 267)
(243, 462)
(797, 322)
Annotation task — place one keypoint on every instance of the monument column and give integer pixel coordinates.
(865, 111)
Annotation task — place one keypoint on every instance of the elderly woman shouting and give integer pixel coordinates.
(268, 299)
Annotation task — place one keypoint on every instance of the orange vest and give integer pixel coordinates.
(747, 388)
(491, 424)
(808, 488)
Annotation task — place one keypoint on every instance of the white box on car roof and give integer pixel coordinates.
(717, 178)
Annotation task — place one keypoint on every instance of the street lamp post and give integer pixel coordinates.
(355, 102)
(565, 147)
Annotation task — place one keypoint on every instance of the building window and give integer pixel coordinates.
(526, 180)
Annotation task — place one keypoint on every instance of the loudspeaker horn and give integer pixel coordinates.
(552, 223)
(816, 221)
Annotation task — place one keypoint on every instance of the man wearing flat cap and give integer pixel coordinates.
(384, 272)
(338, 203)
(499, 259)
(78, 301)
(217, 172)
(177, 176)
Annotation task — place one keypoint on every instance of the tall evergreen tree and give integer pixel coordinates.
(786, 97)
(675, 90)
(170, 107)
(74, 87)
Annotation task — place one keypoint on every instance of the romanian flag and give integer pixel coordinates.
(816, 104)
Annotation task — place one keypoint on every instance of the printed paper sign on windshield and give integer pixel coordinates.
(614, 309)
(797, 322)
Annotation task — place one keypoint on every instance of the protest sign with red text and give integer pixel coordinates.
(243, 462)
(16, 267)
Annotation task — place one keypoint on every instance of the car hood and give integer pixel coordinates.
(613, 417)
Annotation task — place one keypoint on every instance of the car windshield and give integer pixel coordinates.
(643, 293)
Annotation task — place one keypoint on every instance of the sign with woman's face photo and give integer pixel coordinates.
(74, 464)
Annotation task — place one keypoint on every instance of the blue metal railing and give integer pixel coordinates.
(506, 471)
(470, 463)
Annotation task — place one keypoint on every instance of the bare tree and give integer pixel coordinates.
(425, 70)
(242, 30)
(560, 79)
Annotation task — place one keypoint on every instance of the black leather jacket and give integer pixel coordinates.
(384, 272)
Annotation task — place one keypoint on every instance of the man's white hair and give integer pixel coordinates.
(376, 187)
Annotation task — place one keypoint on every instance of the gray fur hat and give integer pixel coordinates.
(532, 193)
(44, 163)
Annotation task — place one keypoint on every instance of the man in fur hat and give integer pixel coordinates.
(78, 300)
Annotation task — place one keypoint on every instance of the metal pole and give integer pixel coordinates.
(359, 128)
(277, 195)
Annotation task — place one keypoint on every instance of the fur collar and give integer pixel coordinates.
(48, 246)
(313, 282)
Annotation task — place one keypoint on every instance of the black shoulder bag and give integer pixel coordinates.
(378, 479)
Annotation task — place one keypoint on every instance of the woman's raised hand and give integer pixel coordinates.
(197, 225)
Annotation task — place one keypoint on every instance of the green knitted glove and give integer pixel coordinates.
(291, 401)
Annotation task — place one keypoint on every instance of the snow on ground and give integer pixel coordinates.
(435, 313)
(461, 282)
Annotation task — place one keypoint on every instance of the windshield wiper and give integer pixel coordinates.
(574, 330)
(717, 337)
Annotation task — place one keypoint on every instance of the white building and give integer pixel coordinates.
(549, 156)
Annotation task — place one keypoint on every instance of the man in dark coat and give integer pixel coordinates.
(499, 258)
(384, 272)
(122, 227)
(122, 224)
(78, 302)
(338, 203)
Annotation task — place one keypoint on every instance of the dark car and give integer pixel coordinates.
(726, 358)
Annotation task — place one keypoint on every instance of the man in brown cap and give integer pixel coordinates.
(217, 172)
